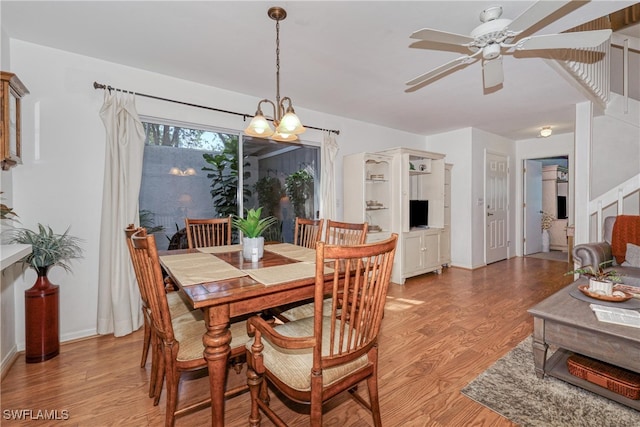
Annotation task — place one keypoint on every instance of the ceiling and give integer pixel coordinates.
(349, 59)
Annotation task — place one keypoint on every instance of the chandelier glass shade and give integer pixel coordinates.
(286, 124)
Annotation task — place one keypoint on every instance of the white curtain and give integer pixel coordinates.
(328, 160)
(118, 295)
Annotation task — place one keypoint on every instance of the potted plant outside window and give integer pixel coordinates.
(252, 228)
(48, 249)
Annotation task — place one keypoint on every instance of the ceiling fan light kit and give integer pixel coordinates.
(286, 122)
(496, 36)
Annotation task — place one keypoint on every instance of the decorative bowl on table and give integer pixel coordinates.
(617, 295)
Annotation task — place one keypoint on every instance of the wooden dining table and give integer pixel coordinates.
(224, 285)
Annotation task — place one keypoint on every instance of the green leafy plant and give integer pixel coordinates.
(147, 221)
(252, 225)
(600, 274)
(47, 248)
(7, 212)
(299, 186)
(223, 173)
(269, 191)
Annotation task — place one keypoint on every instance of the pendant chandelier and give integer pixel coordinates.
(287, 124)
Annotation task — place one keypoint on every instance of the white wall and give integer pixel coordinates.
(465, 148)
(7, 293)
(615, 156)
(60, 182)
(456, 145)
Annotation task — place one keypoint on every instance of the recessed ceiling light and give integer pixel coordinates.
(545, 132)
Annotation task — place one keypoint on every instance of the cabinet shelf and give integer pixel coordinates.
(367, 187)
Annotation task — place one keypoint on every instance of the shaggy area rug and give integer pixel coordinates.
(511, 388)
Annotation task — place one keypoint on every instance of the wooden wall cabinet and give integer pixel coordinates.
(11, 92)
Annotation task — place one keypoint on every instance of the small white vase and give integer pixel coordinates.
(545, 240)
(252, 246)
(601, 287)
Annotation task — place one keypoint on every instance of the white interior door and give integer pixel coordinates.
(496, 208)
(532, 207)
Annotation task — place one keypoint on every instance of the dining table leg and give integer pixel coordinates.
(217, 349)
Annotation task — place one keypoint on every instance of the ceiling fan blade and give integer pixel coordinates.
(535, 14)
(441, 36)
(492, 72)
(441, 69)
(576, 40)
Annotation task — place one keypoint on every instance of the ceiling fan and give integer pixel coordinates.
(496, 36)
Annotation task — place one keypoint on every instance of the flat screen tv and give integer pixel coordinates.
(418, 213)
(562, 207)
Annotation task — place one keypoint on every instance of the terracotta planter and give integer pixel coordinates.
(42, 330)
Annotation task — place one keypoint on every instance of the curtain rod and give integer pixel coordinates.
(97, 85)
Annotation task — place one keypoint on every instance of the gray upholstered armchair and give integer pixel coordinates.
(595, 254)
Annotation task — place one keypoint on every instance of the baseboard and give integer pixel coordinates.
(78, 335)
(68, 338)
(8, 362)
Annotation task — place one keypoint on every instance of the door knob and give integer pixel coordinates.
(489, 214)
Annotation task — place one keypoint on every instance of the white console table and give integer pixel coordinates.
(10, 254)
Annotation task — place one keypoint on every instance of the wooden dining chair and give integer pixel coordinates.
(179, 340)
(307, 232)
(207, 232)
(176, 304)
(313, 359)
(345, 233)
(337, 233)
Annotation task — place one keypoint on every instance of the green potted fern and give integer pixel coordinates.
(252, 228)
(48, 249)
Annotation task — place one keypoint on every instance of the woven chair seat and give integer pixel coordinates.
(190, 327)
(293, 366)
(177, 306)
(306, 310)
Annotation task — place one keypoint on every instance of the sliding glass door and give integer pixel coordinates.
(200, 172)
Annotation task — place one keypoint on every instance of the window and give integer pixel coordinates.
(194, 171)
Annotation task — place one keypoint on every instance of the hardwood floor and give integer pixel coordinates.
(438, 334)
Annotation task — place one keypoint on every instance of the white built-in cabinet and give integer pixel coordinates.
(555, 186)
(378, 188)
